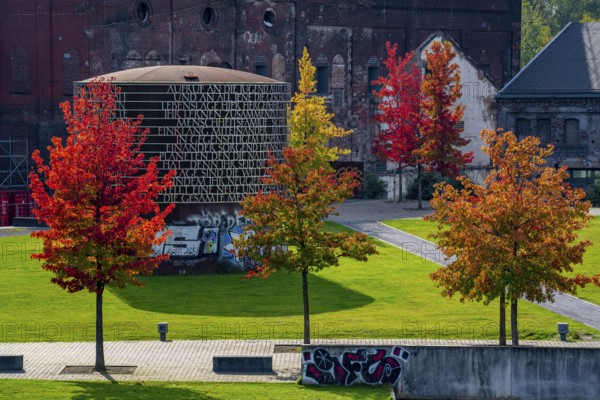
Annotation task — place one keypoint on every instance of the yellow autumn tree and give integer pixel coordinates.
(309, 122)
(514, 237)
(287, 221)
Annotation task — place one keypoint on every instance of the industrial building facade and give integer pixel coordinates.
(46, 45)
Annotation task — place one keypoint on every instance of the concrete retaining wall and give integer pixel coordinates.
(460, 372)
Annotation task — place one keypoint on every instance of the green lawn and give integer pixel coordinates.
(391, 296)
(591, 259)
(22, 389)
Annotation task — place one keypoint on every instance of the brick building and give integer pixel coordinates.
(557, 97)
(45, 45)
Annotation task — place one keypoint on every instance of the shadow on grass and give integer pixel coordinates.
(233, 296)
(134, 391)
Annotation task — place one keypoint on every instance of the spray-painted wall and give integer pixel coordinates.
(565, 372)
(345, 366)
(203, 242)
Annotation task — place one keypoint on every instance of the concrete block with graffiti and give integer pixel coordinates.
(346, 365)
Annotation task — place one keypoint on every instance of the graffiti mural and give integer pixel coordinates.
(373, 366)
(203, 242)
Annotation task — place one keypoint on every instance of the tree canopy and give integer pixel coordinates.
(97, 195)
(286, 230)
(514, 237)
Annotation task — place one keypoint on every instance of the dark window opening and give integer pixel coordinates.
(583, 178)
(543, 130)
(373, 75)
(269, 20)
(322, 80)
(572, 131)
(209, 17)
(523, 128)
(380, 166)
(261, 70)
(143, 12)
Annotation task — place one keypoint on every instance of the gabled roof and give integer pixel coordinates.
(569, 66)
(443, 36)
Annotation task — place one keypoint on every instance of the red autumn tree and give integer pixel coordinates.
(439, 128)
(97, 195)
(399, 112)
(516, 236)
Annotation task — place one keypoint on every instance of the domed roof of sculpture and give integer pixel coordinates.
(185, 74)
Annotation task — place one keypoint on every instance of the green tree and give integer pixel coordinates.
(535, 33)
(544, 19)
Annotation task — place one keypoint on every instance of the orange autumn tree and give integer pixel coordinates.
(286, 230)
(439, 129)
(97, 195)
(516, 236)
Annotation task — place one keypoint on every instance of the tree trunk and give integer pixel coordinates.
(305, 300)
(100, 365)
(420, 186)
(399, 183)
(513, 323)
(502, 338)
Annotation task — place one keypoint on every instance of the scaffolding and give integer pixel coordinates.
(14, 164)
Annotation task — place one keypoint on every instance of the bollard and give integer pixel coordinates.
(563, 329)
(163, 328)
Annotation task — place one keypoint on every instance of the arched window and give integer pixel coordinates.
(572, 131)
(19, 72)
(543, 130)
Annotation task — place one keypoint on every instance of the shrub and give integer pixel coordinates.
(428, 181)
(375, 188)
(428, 186)
(593, 194)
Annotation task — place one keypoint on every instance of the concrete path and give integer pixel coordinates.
(191, 360)
(359, 215)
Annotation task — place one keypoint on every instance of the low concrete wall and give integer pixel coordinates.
(460, 372)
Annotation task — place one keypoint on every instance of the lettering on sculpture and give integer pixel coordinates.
(217, 137)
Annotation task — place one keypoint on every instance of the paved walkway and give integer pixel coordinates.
(360, 216)
(191, 360)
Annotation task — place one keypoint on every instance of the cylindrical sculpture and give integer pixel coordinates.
(216, 128)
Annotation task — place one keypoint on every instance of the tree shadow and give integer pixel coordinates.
(233, 296)
(134, 391)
